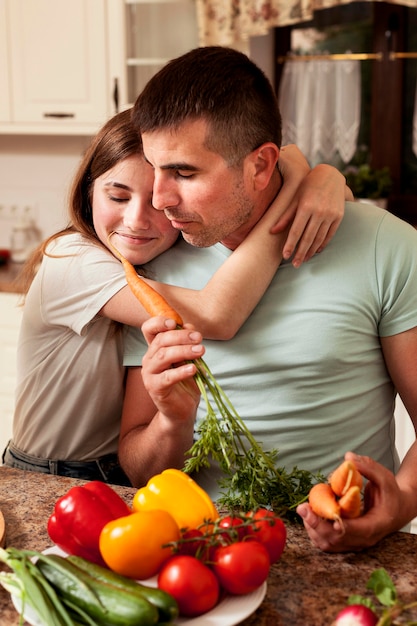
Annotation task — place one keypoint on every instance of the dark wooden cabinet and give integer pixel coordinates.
(392, 87)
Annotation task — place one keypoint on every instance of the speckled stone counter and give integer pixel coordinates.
(306, 588)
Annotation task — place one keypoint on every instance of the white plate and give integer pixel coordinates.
(230, 611)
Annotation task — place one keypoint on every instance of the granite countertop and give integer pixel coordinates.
(307, 587)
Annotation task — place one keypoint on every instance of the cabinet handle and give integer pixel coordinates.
(59, 115)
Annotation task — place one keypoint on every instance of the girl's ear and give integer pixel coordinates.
(263, 163)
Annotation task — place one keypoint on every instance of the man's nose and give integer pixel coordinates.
(164, 194)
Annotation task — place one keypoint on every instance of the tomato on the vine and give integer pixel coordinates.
(241, 567)
(233, 523)
(193, 585)
(191, 542)
(269, 530)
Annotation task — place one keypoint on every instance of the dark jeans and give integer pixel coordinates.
(105, 468)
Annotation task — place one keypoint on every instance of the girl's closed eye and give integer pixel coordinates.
(117, 198)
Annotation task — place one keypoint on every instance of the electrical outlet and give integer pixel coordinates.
(14, 212)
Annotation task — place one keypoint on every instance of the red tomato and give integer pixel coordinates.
(241, 567)
(232, 522)
(192, 542)
(193, 585)
(271, 532)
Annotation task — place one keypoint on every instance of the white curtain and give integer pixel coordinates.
(320, 103)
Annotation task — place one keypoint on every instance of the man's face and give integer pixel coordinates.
(202, 196)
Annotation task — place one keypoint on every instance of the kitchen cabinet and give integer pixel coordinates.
(153, 32)
(57, 71)
(10, 318)
(4, 69)
(66, 67)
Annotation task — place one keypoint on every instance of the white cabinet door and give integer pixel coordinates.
(10, 317)
(58, 57)
(143, 36)
(4, 69)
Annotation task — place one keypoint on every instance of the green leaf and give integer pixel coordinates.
(356, 599)
(383, 587)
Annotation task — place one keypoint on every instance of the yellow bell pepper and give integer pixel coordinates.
(175, 492)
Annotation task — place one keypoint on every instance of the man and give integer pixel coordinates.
(315, 370)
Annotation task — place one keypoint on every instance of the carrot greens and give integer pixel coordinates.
(251, 476)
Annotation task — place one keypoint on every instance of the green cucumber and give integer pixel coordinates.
(106, 604)
(167, 606)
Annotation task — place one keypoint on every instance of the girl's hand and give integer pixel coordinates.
(313, 200)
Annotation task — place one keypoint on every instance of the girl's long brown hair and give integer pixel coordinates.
(116, 141)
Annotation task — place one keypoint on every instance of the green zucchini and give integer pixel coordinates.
(167, 606)
(106, 604)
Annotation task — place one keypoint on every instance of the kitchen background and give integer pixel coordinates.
(66, 67)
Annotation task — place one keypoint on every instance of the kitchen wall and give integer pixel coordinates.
(36, 172)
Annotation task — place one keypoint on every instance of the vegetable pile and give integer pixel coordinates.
(172, 532)
(363, 610)
(251, 476)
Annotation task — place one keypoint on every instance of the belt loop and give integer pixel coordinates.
(101, 470)
(53, 467)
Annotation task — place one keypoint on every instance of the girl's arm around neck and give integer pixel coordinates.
(237, 286)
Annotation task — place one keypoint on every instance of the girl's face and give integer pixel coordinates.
(122, 203)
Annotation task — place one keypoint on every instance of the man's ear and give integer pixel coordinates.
(263, 163)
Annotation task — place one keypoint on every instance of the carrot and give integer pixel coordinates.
(351, 503)
(150, 299)
(344, 477)
(323, 501)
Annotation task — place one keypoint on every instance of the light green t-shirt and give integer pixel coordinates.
(306, 371)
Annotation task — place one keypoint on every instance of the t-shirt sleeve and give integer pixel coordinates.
(77, 281)
(396, 272)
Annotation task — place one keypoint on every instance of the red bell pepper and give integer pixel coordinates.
(80, 515)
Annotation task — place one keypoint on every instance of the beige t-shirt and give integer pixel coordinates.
(70, 375)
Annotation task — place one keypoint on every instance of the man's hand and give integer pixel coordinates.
(383, 513)
(167, 373)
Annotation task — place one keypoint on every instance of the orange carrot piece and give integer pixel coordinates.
(323, 501)
(150, 299)
(344, 477)
(351, 503)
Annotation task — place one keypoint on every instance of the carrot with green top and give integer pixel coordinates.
(150, 299)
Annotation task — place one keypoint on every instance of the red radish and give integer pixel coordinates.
(356, 615)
